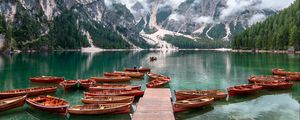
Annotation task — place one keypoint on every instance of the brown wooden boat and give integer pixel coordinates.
(49, 103)
(253, 79)
(275, 84)
(158, 82)
(10, 103)
(186, 94)
(111, 79)
(154, 75)
(116, 73)
(47, 79)
(107, 99)
(86, 84)
(67, 84)
(192, 103)
(95, 109)
(243, 89)
(282, 72)
(135, 74)
(29, 91)
(114, 87)
(115, 93)
(294, 77)
(142, 70)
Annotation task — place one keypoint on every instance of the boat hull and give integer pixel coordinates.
(47, 79)
(125, 99)
(38, 91)
(18, 102)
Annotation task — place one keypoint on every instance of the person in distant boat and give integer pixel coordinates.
(134, 67)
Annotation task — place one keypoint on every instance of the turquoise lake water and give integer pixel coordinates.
(188, 70)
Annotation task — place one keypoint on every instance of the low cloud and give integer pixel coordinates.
(176, 17)
(203, 19)
(256, 18)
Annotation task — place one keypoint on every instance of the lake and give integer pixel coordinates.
(188, 70)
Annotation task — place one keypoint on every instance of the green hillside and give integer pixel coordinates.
(278, 32)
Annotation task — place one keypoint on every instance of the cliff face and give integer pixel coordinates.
(68, 24)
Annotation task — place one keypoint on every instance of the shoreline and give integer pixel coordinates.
(152, 49)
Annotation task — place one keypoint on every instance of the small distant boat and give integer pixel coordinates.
(86, 84)
(192, 103)
(47, 79)
(282, 72)
(95, 109)
(142, 70)
(10, 103)
(186, 94)
(67, 84)
(115, 93)
(107, 99)
(29, 91)
(276, 85)
(253, 79)
(243, 89)
(158, 82)
(154, 75)
(49, 103)
(111, 79)
(114, 87)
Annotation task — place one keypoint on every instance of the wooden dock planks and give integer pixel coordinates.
(156, 104)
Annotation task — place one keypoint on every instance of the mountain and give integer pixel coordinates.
(279, 32)
(123, 24)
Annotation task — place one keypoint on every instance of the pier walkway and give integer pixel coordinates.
(156, 104)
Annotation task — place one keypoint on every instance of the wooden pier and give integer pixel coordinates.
(156, 104)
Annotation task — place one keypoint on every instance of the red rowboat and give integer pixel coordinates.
(47, 79)
(69, 84)
(158, 82)
(86, 83)
(276, 85)
(294, 77)
(11, 103)
(154, 76)
(243, 89)
(49, 103)
(115, 93)
(267, 78)
(95, 109)
(182, 105)
(107, 99)
(142, 70)
(114, 87)
(135, 74)
(28, 91)
(111, 79)
(283, 72)
(110, 74)
(186, 94)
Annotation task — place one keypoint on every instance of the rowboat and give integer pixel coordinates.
(29, 91)
(115, 93)
(86, 83)
(253, 79)
(114, 87)
(49, 103)
(186, 94)
(294, 77)
(126, 73)
(192, 103)
(47, 79)
(116, 73)
(282, 72)
(158, 82)
(243, 89)
(10, 103)
(107, 99)
(67, 84)
(111, 79)
(143, 70)
(154, 75)
(95, 109)
(275, 84)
